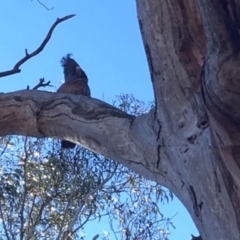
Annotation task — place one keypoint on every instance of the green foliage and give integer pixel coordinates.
(50, 193)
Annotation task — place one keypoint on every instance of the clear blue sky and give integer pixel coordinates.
(105, 40)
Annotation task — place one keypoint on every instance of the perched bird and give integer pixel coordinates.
(76, 82)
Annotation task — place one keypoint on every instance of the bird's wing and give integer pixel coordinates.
(77, 86)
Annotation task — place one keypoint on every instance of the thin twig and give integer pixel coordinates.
(45, 6)
(5, 148)
(74, 219)
(16, 68)
(67, 207)
(82, 224)
(41, 84)
(25, 189)
(38, 218)
(30, 219)
(3, 221)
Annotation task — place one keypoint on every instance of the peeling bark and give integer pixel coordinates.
(190, 142)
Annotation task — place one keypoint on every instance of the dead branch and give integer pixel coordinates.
(45, 5)
(41, 83)
(16, 68)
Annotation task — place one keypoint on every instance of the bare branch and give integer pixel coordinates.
(41, 84)
(30, 219)
(83, 223)
(67, 116)
(67, 207)
(70, 226)
(37, 51)
(45, 5)
(38, 218)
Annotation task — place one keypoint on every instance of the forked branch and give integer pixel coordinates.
(41, 83)
(16, 68)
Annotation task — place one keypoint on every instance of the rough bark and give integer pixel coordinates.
(190, 142)
(92, 123)
(193, 54)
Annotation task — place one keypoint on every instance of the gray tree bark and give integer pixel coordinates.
(190, 142)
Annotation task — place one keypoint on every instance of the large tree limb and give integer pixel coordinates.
(221, 72)
(184, 67)
(176, 58)
(137, 142)
(221, 22)
(16, 68)
(221, 77)
(93, 124)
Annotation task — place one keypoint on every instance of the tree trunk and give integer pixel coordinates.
(193, 54)
(190, 142)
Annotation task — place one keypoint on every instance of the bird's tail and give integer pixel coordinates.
(67, 144)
